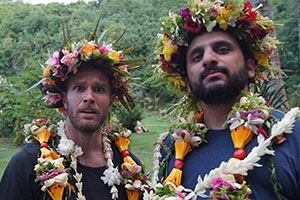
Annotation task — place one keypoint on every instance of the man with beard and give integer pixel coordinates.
(84, 157)
(222, 144)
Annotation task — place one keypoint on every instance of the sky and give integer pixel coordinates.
(50, 1)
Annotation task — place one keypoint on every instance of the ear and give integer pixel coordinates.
(251, 68)
(186, 79)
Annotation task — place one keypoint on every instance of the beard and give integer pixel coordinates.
(220, 93)
(89, 128)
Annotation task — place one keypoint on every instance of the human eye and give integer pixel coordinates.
(99, 89)
(78, 88)
(222, 49)
(197, 57)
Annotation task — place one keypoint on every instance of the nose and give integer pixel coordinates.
(209, 58)
(88, 96)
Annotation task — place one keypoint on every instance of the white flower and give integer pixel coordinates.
(236, 122)
(111, 176)
(65, 146)
(78, 151)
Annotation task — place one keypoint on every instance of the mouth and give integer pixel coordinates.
(88, 111)
(211, 74)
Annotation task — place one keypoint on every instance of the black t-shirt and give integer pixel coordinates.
(18, 181)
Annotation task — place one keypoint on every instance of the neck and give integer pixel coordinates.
(91, 144)
(216, 115)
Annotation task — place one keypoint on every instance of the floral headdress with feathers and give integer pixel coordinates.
(66, 61)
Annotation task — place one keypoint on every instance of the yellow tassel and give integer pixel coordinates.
(128, 159)
(122, 143)
(241, 136)
(46, 153)
(174, 177)
(181, 149)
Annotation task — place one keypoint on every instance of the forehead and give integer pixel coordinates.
(211, 38)
(86, 76)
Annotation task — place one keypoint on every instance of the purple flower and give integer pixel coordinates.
(184, 12)
(48, 174)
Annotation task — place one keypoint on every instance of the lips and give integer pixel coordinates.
(211, 72)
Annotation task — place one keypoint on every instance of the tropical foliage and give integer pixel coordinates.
(30, 33)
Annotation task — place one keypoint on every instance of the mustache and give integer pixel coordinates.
(212, 69)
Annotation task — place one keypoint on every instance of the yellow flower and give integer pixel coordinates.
(177, 81)
(168, 49)
(262, 58)
(87, 48)
(114, 55)
(223, 17)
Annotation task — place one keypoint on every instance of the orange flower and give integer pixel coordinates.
(46, 72)
(133, 194)
(174, 177)
(181, 149)
(241, 136)
(56, 192)
(87, 48)
(122, 143)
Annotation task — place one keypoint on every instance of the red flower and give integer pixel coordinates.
(192, 26)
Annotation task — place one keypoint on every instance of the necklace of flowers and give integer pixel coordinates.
(51, 170)
(246, 118)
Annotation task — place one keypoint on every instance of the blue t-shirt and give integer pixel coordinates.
(201, 160)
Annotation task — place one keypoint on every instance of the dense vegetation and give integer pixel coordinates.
(30, 33)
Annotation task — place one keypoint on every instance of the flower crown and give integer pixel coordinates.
(239, 18)
(66, 62)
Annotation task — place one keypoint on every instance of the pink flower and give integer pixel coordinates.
(52, 98)
(69, 58)
(105, 48)
(54, 61)
(180, 195)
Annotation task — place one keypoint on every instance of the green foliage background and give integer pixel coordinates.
(30, 33)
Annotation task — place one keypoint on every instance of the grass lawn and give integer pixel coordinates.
(141, 145)
(7, 150)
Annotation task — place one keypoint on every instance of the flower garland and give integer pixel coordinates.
(53, 175)
(249, 116)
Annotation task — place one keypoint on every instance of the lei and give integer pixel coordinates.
(248, 117)
(56, 165)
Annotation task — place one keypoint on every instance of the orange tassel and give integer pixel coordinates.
(181, 149)
(133, 194)
(122, 143)
(241, 136)
(56, 192)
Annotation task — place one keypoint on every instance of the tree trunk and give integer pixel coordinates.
(266, 10)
